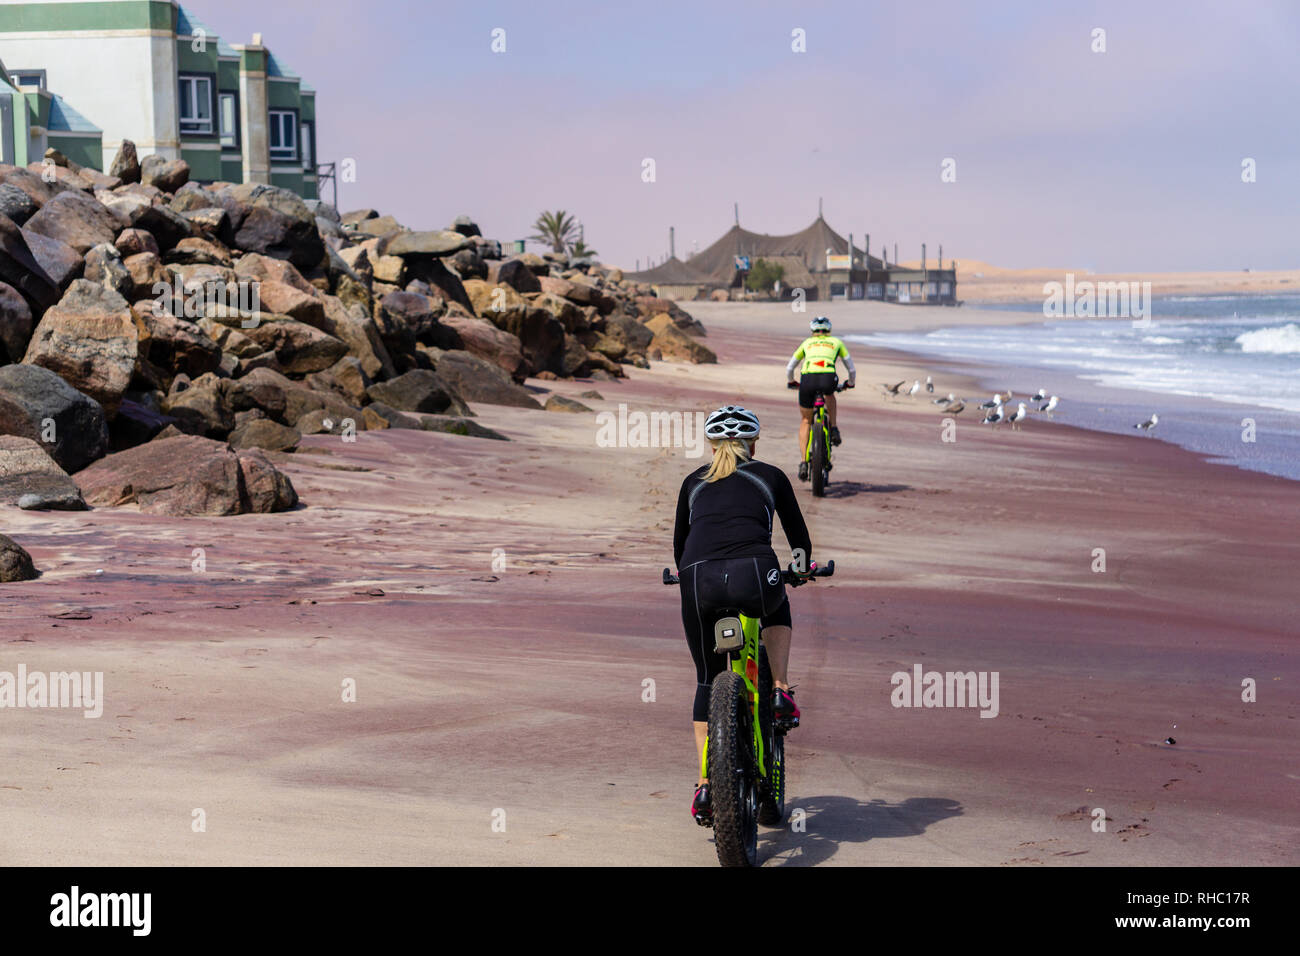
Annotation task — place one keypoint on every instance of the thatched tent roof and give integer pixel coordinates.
(672, 272)
(808, 246)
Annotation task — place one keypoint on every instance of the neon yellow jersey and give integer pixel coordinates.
(819, 354)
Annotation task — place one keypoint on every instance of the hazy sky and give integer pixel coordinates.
(1128, 159)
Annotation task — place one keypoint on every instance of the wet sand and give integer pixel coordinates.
(501, 673)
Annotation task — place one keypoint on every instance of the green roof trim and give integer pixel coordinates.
(61, 17)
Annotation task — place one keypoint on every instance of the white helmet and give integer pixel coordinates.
(820, 324)
(731, 421)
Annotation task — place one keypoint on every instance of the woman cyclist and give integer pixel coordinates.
(722, 544)
(818, 354)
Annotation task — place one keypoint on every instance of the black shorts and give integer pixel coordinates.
(810, 385)
(751, 585)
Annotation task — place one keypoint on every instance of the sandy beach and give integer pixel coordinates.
(498, 606)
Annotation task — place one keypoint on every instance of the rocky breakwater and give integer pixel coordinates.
(162, 341)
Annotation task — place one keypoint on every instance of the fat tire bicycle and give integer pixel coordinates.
(744, 752)
(818, 452)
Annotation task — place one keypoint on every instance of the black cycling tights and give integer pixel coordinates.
(751, 585)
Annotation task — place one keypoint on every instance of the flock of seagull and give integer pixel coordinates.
(995, 409)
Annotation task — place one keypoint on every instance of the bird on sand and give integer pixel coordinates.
(944, 401)
(916, 387)
(929, 385)
(995, 416)
(955, 408)
(1039, 396)
(1019, 416)
(1049, 406)
(993, 402)
(893, 389)
(1149, 424)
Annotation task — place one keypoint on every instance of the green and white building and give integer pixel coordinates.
(150, 71)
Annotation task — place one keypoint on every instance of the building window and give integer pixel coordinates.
(196, 105)
(306, 148)
(284, 135)
(229, 115)
(28, 78)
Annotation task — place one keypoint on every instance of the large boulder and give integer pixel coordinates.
(91, 340)
(16, 203)
(266, 434)
(278, 224)
(418, 390)
(188, 475)
(299, 347)
(439, 242)
(480, 337)
(15, 324)
(167, 226)
(478, 380)
(61, 262)
(675, 344)
(126, 164)
(178, 345)
(15, 563)
(632, 334)
(541, 337)
(203, 407)
(518, 276)
(19, 269)
(36, 404)
(131, 241)
(168, 175)
(76, 219)
(32, 480)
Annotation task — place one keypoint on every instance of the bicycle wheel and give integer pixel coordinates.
(732, 773)
(771, 796)
(818, 461)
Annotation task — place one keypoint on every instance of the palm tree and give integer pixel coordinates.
(557, 229)
(580, 250)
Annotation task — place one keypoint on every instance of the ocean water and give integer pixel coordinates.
(1218, 370)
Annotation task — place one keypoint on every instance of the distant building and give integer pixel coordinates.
(33, 119)
(817, 260)
(150, 71)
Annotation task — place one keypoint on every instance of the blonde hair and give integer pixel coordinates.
(728, 453)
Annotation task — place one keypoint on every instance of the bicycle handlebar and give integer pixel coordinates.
(789, 576)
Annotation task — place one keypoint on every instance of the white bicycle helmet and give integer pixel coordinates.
(731, 421)
(820, 324)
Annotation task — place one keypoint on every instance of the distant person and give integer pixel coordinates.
(819, 353)
(722, 544)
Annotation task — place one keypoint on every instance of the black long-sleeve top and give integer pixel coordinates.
(732, 517)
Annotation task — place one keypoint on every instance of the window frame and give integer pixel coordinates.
(282, 158)
(39, 74)
(238, 143)
(214, 122)
(307, 138)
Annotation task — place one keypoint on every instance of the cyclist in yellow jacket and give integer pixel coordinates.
(818, 354)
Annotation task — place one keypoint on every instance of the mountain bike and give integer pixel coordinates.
(818, 452)
(744, 752)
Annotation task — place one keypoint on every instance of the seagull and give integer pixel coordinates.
(893, 389)
(1040, 397)
(916, 387)
(995, 416)
(1050, 406)
(929, 385)
(1019, 416)
(955, 408)
(944, 401)
(1149, 424)
(993, 402)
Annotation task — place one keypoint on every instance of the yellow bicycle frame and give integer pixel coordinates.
(746, 665)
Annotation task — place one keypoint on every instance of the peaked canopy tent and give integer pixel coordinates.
(809, 246)
(673, 272)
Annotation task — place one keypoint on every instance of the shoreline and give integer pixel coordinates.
(521, 686)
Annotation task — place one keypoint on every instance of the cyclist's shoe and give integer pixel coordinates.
(803, 471)
(702, 806)
(785, 713)
(835, 435)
